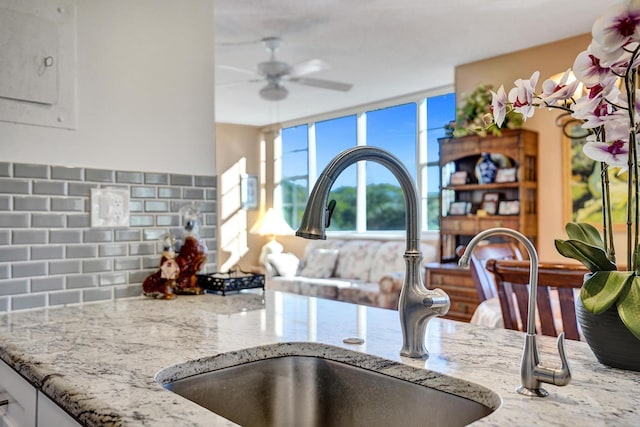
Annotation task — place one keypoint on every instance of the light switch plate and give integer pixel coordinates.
(109, 207)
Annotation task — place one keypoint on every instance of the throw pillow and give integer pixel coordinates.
(320, 263)
(285, 264)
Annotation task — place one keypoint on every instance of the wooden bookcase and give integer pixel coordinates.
(513, 149)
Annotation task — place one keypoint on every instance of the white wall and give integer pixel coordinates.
(145, 92)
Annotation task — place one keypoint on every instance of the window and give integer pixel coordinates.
(369, 197)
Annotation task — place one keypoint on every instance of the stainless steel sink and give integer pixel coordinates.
(308, 390)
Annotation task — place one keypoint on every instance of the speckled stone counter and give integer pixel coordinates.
(98, 361)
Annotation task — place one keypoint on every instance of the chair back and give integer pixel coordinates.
(482, 278)
(556, 285)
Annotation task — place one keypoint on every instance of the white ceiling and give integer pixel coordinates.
(385, 48)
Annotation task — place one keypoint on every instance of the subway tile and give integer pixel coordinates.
(65, 236)
(210, 194)
(5, 237)
(67, 173)
(4, 304)
(24, 302)
(169, 193)
(64, 267)
(14, 253)
(97, 236)
(129, 177)
(113, 250)
(143, 192)
(5, 203)
(80, 189)
(127, 235)
(142, 248)
(14, 287)
(5, 271)
(47, 252)
(128, 291)
(100, 175)
(177, 205)
(14, 220)
(29, 203)
(73, 204)
(156, 178)
(67, 297)
(141, 220)
(207, 207)
(14, 186)
(109, 279)
(136, 205)
(207, 232)
(204, 181)
(82, 281)
(153, 234)
(28, 269)
(82, 251)
(5, 169)
(186, 180)
(151, 262)
(48, 220)
(97, 265)
(193, 193)
(50, 188)
(90, 295)
(44, 284)
(126, 264)
(156, 206)
(23, 170)
(78, 221)
(29, 237)
(140, 275)
(167, 220)
(210, 219)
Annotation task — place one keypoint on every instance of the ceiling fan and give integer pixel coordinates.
(274, 72)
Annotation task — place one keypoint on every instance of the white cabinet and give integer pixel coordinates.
(26, 406)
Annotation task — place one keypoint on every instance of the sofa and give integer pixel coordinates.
(368, 272)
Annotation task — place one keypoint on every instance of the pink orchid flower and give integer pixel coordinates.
(614, 151)
(553, 92)
(499, 105)
(522, 95)
(618, 26)
(588, 69)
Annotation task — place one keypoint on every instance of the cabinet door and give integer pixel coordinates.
(20, 411)
(51, 415)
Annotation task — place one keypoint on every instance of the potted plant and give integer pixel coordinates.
(609, 304)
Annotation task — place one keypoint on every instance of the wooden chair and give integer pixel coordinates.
(512, 278)
(482, 278)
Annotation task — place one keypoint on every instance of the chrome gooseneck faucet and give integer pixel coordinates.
(417, 304)
(532, 373)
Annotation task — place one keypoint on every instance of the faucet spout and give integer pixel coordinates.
(417, 305)
(532, 373)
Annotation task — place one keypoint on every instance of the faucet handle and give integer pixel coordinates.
(562, 376)
(330, 207)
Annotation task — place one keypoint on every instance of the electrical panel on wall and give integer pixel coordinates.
(37, 62)
(109, 207)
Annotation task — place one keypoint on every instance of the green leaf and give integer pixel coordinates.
(592, 257)
(601, 290)
(586, 233)
(629, 306)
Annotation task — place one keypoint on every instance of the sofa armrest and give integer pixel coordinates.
(391, 283)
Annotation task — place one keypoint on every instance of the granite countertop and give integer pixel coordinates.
(98, 361)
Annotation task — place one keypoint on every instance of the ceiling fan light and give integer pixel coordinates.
(273, 92)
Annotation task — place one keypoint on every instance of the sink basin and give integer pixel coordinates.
(315, 388)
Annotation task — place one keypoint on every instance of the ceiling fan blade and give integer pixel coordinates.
(323, 84)
(239, 70)
(308, 67)
(237, 83)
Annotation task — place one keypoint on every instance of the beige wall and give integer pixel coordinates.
(548, 59)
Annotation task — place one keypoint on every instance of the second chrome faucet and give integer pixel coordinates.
(532, 373)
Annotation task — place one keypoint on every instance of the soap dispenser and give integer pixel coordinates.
(193, 252)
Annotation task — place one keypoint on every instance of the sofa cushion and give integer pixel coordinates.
(356, 257)
(320, 264)
(388, 259)
(284, 264)
(317, 244)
